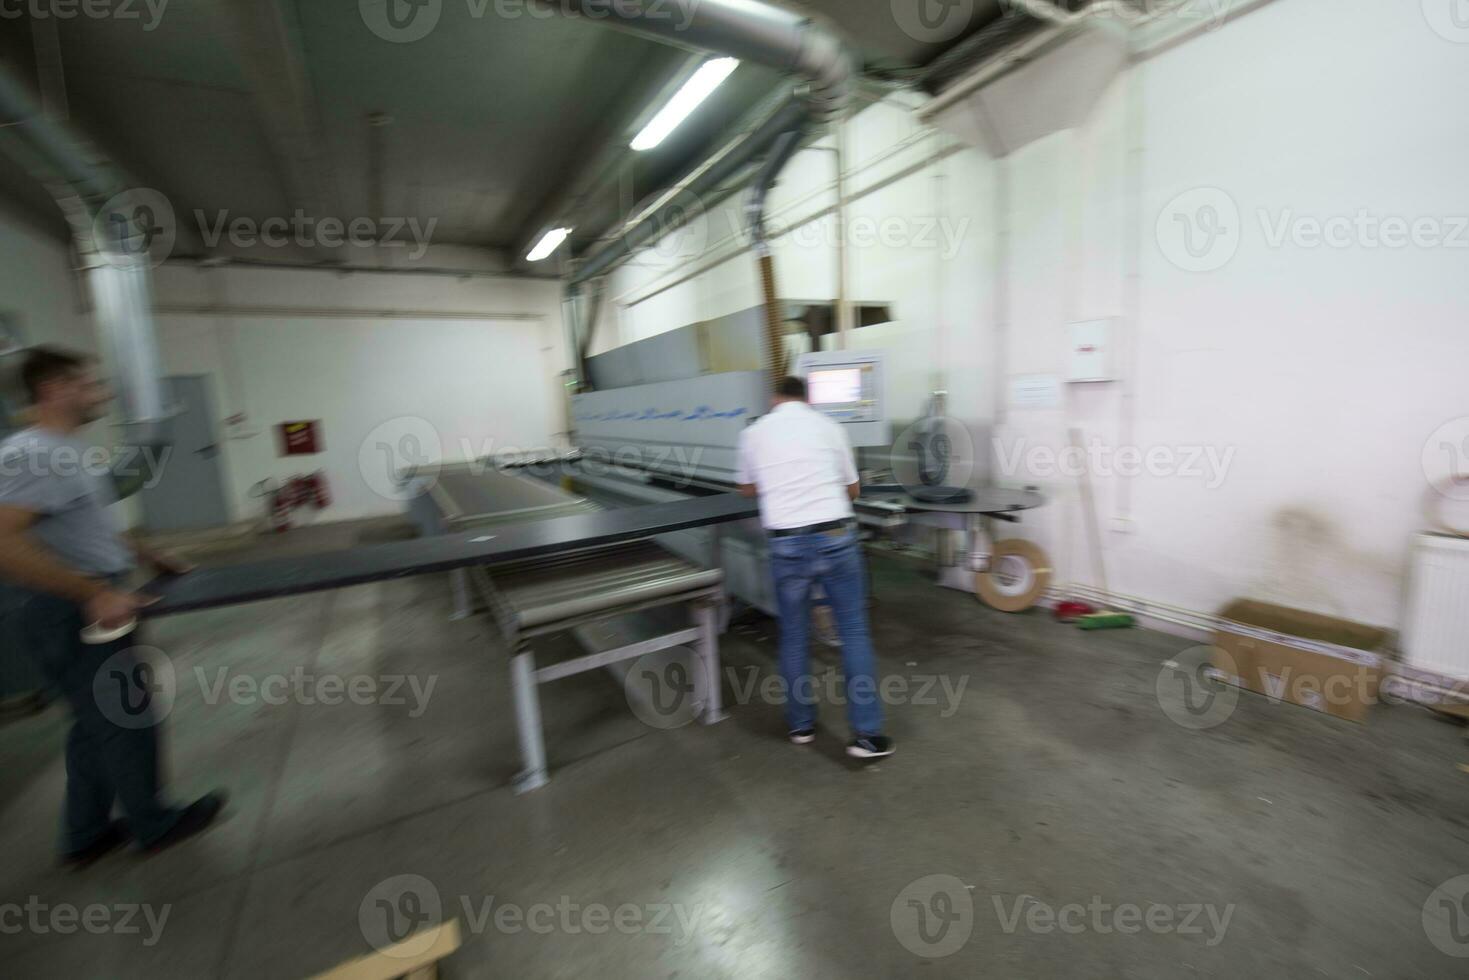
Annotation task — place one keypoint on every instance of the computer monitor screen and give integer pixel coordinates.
(835, 386)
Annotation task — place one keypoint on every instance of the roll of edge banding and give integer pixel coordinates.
(1019, 574)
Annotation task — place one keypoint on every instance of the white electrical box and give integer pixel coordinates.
(1090, 357)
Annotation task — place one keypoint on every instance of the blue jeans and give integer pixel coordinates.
(106, 762)
(832, 559)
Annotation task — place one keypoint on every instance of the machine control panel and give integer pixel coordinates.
(847, 387)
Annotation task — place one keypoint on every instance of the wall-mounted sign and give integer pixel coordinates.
(299, 438)
(1035, 391)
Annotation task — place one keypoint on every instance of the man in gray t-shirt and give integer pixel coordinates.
(64, 558)
(69, 486)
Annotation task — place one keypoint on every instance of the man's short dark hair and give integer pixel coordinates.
(792, 388)
(43, 365)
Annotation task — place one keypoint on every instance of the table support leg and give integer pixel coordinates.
(716, 560)
(706, 616)
(463, 603)
(528, 721)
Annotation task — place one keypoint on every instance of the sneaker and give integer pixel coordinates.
(870, 747)
(112, 838)
(196, 818)
(802, 736)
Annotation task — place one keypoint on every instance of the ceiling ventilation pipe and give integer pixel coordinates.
(751, 31)
(113, 256)
(780, 154)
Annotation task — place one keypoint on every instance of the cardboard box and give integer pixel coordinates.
(1320, 662)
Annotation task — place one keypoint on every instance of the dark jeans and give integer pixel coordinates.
(834, 560)
(112, 749)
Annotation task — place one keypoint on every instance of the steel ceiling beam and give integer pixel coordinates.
(267, 41)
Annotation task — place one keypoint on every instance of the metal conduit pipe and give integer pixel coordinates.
(746, 29)
(683, 200)
(113, 260)
(121, 297)
(66, 156)
(785, 147)
(751, 31)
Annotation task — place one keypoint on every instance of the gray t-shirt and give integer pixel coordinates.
(67, 483)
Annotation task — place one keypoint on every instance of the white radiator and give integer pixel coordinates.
(1436, 629)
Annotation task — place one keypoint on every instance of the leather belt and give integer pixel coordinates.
(791, 532)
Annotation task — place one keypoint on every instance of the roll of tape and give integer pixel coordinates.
(1020, 573)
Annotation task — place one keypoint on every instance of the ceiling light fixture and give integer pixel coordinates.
(710, 76)
(549, 243)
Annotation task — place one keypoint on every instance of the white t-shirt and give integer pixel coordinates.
(801, 462)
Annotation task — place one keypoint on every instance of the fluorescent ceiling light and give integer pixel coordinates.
(549, 243)
(710, 76)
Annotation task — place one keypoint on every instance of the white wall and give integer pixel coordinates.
(1318, 374)
(919, 229)
(479, 382)
(37, 286)
(1324, 370)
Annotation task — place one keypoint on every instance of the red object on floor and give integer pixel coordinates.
(1071, 610)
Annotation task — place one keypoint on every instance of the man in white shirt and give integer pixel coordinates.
(800, 464)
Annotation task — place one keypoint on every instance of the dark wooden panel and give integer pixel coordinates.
(232, 585)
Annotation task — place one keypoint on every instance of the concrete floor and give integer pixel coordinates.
(1055, 779)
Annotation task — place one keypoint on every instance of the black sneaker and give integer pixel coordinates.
(870, 747)
(196, 818)
(802, 736)
(114, 837)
